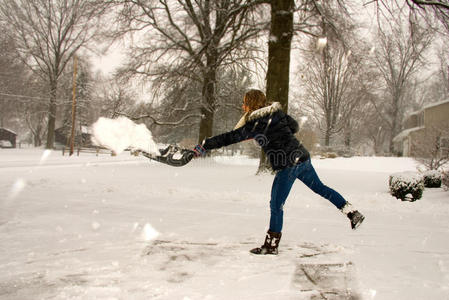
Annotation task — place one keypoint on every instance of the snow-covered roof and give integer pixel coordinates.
(427, 106)
(405, 133)
(436, 104)
(8, 130)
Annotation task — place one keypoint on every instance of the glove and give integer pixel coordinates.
(199, 151)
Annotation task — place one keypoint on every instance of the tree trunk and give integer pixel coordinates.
(37, 140)
(348, 135)
(379, 141)
(328, 132)
(394, 123)
(52, 116)
(279, 45)
(327, 138)
(281, 32)
(208, 93)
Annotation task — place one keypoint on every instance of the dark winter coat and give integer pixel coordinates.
(274, 132)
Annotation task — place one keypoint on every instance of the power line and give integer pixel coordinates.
(22, 96)
(59, 101)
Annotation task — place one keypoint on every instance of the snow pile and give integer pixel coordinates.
(121, 133)
(406, 186)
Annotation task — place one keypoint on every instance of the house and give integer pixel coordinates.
(7, 138)
(426, 128)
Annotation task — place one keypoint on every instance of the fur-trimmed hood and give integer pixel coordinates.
(261, 112)
(273, 130)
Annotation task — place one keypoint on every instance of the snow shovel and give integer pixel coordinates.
(172, 155)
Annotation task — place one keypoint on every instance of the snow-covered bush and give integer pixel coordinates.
(407, 186)
(432, 179)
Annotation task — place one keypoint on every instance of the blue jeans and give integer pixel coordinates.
(282, 184)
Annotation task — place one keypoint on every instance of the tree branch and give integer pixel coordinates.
(431, 3)
(157, 122)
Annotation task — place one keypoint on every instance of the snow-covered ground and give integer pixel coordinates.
(122, 227)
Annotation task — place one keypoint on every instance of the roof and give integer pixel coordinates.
(2, 128)
(403, 134)
(431, 105)
(436, 104)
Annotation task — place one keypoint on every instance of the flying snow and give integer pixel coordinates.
(121, 133)
(44, 156)
(17, 187)
(149, 233)
(95, 226)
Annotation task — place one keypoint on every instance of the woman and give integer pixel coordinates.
(274, 131)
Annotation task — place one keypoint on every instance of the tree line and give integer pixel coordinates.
(350, 85)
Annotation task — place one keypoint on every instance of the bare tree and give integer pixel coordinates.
(36, 123)
(438, 89)
(21, 103)
(331, 69)
(331, 85)
(173, 119)
(310, 14)
(399, 54)
(112, 98)
(190, 41)
(47, 33)
(437, 8)
(13, 80)
(231, 88)
(170, 120)
(33, 110)
(372, 125)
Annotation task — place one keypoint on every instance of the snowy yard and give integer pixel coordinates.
(122, 227)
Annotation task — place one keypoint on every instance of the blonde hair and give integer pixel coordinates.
(254, 99)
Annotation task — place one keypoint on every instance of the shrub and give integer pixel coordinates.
(432, 179)
(407, 186)
(327, 152)
(331, 155)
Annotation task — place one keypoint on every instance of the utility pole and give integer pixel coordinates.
(72, 136)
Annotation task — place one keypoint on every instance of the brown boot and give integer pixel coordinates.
(270, 245)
